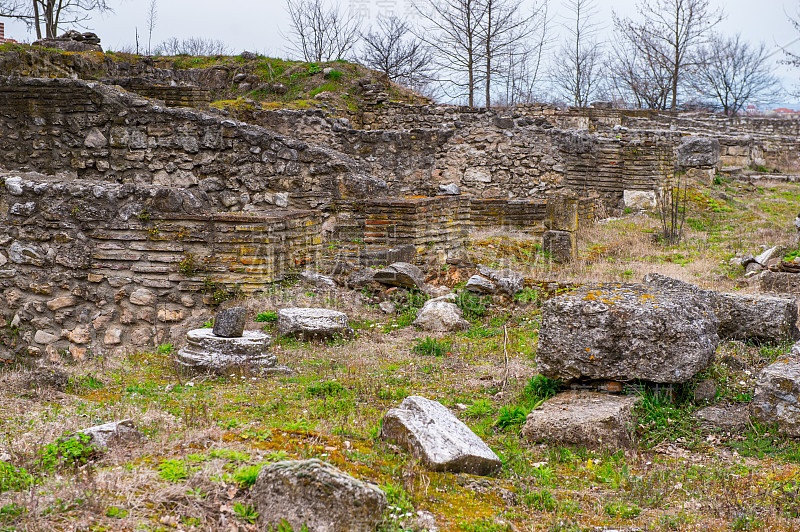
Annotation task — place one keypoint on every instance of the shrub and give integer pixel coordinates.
(13, 478)
(269, 315)
(325, 389)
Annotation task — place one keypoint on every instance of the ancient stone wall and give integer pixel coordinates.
(88, 266)
(92, 131)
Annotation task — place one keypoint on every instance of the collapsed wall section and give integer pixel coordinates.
(92, 131)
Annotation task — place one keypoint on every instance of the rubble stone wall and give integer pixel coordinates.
(87, 267)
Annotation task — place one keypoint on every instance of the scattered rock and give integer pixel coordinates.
(480, 285)
(590, 419)
(507, 281)
(360, 278)
(705, 392)
(401, 274)
(387, 307)
(777, 396)
(740, 316)
(318, 280)
(317, 495)
(626, 332)
(442, 315)
(109, 434)
(205, 351)
(450, 189)
(729, 418)
(764, 258)
(229, 323)
(313, 324)
(430, 432)
(781, 282)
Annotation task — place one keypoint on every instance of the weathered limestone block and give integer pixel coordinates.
(561, 245)
(313, 323)
(441, 315)
(698, 151)
(506, 281)
(480, 285)
(740, 316)
(639, 200)
(108, 434)
(205, 351)
(229, 323)
(777, 396)
(401, 274)
(316, 494)
(590, 419)
(788, 283)
(430, 432)
(562, 213)
(626, 332)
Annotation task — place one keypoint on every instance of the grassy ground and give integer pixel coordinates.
(206, 437)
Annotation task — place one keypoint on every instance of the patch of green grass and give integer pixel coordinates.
(480, 408)
(325, 389)
(246, 512)
(622, 509)
(80, 383)
(432, 347)
(473, 306)
(527, 295)
(661, 419)
(116, 512)
(173, 470)
(540, 500)
(246, 476)
(485, 525)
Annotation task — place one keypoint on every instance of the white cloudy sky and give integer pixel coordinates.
(256, 25)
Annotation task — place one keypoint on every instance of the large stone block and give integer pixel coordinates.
(315, 494)
(205, 351)
(229, 323)
(626, 332)
(562, 213)
(441, 315)
(698, 151)
(313, 323)
(777, 396)
(401, 274)
(740, 316)
(561, 245)
(430, 432)
(590, 419)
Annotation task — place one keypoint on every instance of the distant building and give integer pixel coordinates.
(3, 34)
(783, 112)
(752, 110)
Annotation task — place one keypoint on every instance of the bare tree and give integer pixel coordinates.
(452, 32)
(637, 76)
(576, 68)
(731, 72)
(50, 14)
(396, 52)
(152, 17)
(318, 33)
(192, 46)
(504, 32)
(668, 32)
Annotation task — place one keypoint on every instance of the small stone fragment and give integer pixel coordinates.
(229, 323)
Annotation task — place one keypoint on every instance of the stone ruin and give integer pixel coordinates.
(125, 216)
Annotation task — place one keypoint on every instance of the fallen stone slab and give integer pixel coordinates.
(401, 274)
(780, 282)
(506, 280)
(229, 323)
(430, 432)
(205, 351)
(317, 279)
(480, 285)
(441, 315)
(777, 396)
(740, 316)
(623, 332)
(316, 495)
(728, 418)
(109, 434)
(313, 324)
(583, 418)
(360, 278)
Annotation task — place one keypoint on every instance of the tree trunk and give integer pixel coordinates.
(37, 20)
(488, 53)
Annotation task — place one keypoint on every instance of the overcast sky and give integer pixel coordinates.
(256, 25)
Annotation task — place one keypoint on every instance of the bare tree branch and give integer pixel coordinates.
(319, 34)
